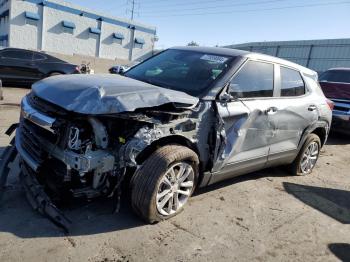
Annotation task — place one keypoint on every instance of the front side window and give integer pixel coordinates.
(182, 70)
(336, 76)
(291, 83)
(255, 79)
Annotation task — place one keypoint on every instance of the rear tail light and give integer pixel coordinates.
(330, 103)
(77, 69)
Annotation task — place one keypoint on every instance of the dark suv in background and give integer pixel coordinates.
(19, 66)
(335, 84)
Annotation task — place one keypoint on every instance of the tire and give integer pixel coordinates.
(154, 178)
(298, 166)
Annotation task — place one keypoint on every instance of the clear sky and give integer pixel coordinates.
(224, 22)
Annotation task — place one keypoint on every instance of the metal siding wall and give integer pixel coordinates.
(325, 54)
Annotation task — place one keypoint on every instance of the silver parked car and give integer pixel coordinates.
(185, 118)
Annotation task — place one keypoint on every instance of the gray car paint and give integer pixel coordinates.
(106, 94)
(231, 136)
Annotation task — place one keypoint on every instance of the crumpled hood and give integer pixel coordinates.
(106, 94)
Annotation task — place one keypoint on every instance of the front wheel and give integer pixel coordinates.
(162, 186)
(307, 157)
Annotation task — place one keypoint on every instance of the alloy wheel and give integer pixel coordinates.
(309, 158)
(175, 188)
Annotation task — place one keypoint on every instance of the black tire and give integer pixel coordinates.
(295, 167)
(145, 182)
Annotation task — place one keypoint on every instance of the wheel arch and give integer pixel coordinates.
(320, 128)
(55, 72)
(167, 140)
(321, 132)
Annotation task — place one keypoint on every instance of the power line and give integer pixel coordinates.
(251, 10)
(218, 6)
(152, 5)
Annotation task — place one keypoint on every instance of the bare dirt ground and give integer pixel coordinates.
(264, 216)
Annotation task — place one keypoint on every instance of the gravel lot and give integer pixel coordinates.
(264, 216)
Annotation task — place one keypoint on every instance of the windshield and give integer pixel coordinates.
(337, 76)
(187, 71)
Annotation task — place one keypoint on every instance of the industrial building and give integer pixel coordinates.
(318, 55)
(60, 27)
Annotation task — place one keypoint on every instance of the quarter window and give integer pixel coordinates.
(291, 83)
(255, 79)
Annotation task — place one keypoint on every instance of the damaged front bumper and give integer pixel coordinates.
(35, 193)
(39, 200)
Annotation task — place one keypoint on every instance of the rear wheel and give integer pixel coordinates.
(307, 157)
(162, 186)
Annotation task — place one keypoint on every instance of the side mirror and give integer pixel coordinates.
(226, 97)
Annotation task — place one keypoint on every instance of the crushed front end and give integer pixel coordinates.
(66, 155)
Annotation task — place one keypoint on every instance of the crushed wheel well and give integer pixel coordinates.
(179, 140)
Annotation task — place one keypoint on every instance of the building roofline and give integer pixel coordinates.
(78, 10)
(288, 42)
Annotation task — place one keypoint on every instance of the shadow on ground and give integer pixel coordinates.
(340, 250)
(331, 202)
(266, 173)
(18, 218)
(338, 139)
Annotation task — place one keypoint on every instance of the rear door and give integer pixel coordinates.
(247, 124)
(38, 64)
(17, 65)
(295, 111)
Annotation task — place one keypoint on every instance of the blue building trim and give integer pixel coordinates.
(4, 14)
(118, 36)
(139, 40)
(4, 37)
(32, 16)
(90, 15)
(94, 30)
(68, 24)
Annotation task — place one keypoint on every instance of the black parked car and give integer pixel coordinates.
(21, 66)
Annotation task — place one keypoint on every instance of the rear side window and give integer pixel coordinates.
(25, 55)
(337, 76)
(255, 79)
(39, 57)
(292, 83)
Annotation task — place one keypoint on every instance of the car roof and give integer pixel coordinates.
(51, 57)
(339, 69)
(241, 53)
(213, 50)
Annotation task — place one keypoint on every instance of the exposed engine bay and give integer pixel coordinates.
(92, 155)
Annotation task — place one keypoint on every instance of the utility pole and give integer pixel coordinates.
(132, 30)
(132, 9)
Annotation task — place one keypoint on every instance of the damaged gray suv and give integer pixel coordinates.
(185, 118)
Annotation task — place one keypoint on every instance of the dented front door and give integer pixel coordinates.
(245, 134)
(247, 127)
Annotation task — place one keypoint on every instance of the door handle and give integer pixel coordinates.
(312, 108)
(271, 110)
